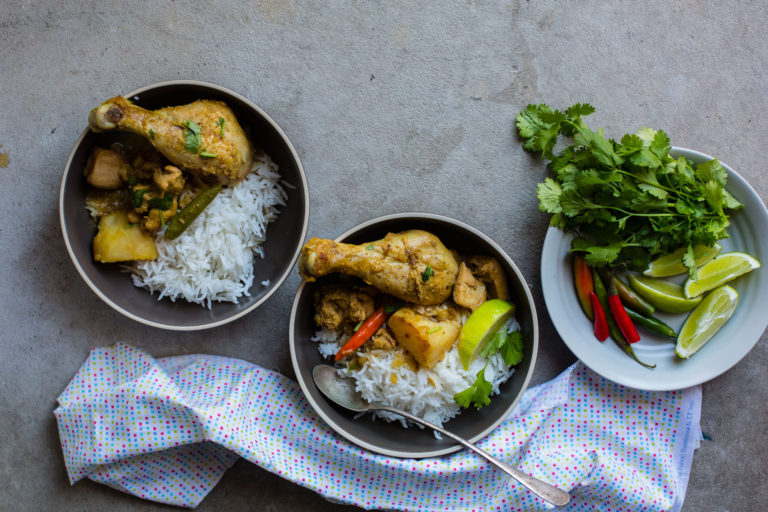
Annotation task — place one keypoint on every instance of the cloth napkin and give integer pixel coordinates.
(168, 429)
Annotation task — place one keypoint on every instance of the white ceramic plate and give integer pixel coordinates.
(748, 233)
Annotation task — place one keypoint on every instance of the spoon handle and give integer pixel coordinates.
(538, 487)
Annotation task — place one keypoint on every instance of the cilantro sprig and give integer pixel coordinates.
(192, 136)
(510, 344)
(626, 201)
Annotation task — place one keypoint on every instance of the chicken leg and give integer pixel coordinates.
(413, 265)
(202, 137)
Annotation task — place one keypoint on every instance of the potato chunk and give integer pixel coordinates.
(426, 338)
(118, 240)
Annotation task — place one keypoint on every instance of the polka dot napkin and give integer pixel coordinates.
(167, 430)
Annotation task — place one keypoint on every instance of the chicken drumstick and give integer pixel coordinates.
(413, 265)
(202, 137)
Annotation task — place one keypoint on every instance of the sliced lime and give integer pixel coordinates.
(666, 296)
(706, 320)
(672, 264)
(719, 271)
(480, 327)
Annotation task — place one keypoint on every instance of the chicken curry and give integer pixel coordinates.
(137, 192)
(426, 289)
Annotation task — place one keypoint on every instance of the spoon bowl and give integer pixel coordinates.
(342, 391)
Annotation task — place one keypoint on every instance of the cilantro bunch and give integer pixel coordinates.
(625, 201)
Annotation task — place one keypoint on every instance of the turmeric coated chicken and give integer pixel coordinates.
(202, 137)
(413, 266)
(338, 305)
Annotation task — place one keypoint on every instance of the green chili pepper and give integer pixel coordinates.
(602, 296)
(190, 212)
(631, 299)
(652, 324)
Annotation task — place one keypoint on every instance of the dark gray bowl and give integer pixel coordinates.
(390, 438)
(284, 236)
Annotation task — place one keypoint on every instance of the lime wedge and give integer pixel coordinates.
(666, 296)
(719, 271)
(706, 320)
(672, 264)
(480, 327)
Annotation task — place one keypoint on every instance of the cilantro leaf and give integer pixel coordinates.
(712, 192)
(478, 394)
(579, 110)
(495, 343)
(646, 134)
(549, 196)
(161, 203)
(645, 158)
(660, 145)
(712, 170)
(428, 272)
(512, 349)
(192, 136)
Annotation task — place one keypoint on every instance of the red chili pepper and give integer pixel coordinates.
(601, 323)
(582, 278)
(361, 335)
(625, 324)
(622, 318)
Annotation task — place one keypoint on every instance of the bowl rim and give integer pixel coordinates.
(273, 286)
(451, 448)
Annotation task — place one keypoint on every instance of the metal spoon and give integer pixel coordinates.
(342, 391)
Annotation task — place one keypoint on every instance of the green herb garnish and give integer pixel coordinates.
(205, 154)
(192, 136)
(137, 196)
(220, 123)
(428, 272)
(479, 394)
(435, 329)
(370, 247)
(625, 201)
(152, 134)
(358, 325)
(510, 345)
(391, 307)
(161, 203)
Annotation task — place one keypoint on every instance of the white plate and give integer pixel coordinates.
(748, 233)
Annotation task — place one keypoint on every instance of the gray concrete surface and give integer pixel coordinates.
(392, 107)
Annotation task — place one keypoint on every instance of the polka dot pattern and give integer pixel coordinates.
(168, 429)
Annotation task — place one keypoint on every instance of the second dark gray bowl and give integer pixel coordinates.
(284, 236)
(390, 438)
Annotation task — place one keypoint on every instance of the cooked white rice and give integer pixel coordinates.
(427, 393)
(212, 260)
